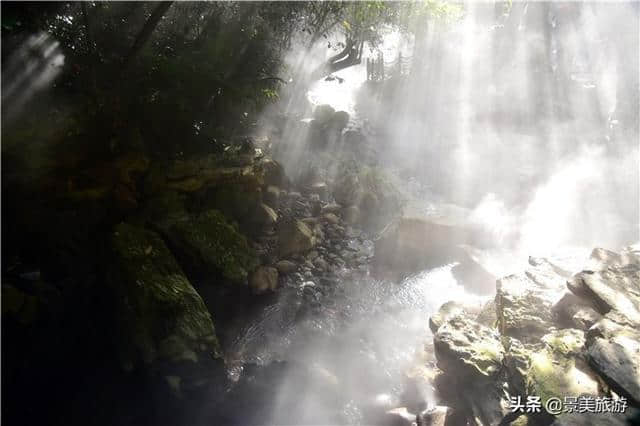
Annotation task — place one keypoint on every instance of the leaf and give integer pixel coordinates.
(347, 25)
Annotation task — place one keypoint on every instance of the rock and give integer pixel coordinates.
(331, 208)
(613, 350)
(630, 417)
(524, 306)
(447, 311)
(323, 113)
(160, 315)
(574, 312)
(436, 416)
(613, 288)
(294, 237)
(320, 189)
(339, 120)
(285, 267)
(264, 278)
(607, 258)
(517, 363)
(271, 172)
(347, 190)
(331, 218)
(556, 371)
(208, 244)
(272, 196)
(399, 417)
(194, 174)
(351, 215)
(321, 264)
(466, 349)
(266, 216)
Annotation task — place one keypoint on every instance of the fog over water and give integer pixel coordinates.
(478, 126)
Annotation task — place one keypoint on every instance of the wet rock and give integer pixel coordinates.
(445, 313)
(517, 363)
(270, 172)
(265, 215)
(411, 245)
(272, 196)
(320, 189)
(323, 113)
(556, 371)
(339, 120)
(613, 350)
(351, 215)
(331, 208)
(398, 417)
(294, 237)
(608, 258)
(524, 307)
(630, 417)
(469, 350)
(207, 243)
(264, 278)
(613, 288)
(575, 312)
(437, 416)
(331, 218)
(285, 267)
(160, 315)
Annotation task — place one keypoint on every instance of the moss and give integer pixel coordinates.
(160, 314)
(215, 244)
(554, 371)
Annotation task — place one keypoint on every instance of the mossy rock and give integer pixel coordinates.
(160, 316)
(557, 371)
(468, 350)
(211, 244)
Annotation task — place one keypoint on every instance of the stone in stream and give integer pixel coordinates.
(468, 350)
(286, 267)
(263, 279)
(265, 215)
(439, 415)
(447, 311)
(272, 196)
(294, 237)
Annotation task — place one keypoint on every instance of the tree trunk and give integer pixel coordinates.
(351, 55)
(145, 33)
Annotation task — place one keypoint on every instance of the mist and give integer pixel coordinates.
(474, 122)
(266, 213)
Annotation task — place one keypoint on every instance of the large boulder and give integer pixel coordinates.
(555, 371)
(524, 304)
(294, 237)
(159, 315)
(613, 350)
(471, 357)
(468, 350)
(208, 244)
(613, 288)
(264, 278)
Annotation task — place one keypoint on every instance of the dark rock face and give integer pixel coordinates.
(209, 243)
(540, 348)
(162, 318)
(614, 352)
